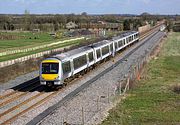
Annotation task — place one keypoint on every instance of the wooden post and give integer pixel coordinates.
(82, 115)
(128, 83)
(108, 96)
(98, 104)
(120, 88)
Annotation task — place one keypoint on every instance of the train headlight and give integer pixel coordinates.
(43, 83)
(57, 77)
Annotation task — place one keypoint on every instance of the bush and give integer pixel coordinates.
(176, 88)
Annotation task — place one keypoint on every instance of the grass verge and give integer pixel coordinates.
(156, 99)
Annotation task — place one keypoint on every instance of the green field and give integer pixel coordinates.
(153, 101)
(25, 39)
(17, 55)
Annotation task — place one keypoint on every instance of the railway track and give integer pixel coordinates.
(13, 112)
(68, 97)
(19, 88)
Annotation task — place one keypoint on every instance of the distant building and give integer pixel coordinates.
(176, 26)
(71, 25)
(102, 26)
(36, 30)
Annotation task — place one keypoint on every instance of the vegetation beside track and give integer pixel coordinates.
(156, 98)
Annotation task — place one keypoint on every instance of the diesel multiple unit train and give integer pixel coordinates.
(58, 68)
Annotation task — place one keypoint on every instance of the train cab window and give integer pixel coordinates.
(50, 68)
(90, 55)
(80, 61)
(105, 50)
(98, 53)
(66, 66)
(111, 47)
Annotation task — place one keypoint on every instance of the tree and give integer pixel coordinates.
(127, 24)
(26, 20)
(84, 14)
(56, 26)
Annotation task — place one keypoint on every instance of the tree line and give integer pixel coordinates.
(28, 22)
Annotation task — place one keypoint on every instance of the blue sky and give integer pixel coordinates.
(90, 6)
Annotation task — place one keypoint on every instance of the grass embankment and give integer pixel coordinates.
(153, 100)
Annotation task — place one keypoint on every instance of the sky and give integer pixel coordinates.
(90, 6)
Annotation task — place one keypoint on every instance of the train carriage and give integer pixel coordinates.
(69, 64)
(102, 50)
(54, 70)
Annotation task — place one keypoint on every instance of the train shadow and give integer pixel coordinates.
(32, 86)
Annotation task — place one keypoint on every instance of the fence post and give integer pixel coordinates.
(98, 103)
(128, 83)
(82, 115)
(120, 88)
(108, 96)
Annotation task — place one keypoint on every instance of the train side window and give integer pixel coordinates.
(105, 50)
(127, 40)
(137, 35)
(111, 47)
(120, 43)
(116, 46)
(79, 61)
(66, 67)
(90, 56)
(124, 41)
(98, 53)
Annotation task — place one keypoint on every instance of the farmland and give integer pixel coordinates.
(24, 40)
(155, 99)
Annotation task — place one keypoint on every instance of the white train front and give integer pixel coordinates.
(56, 69)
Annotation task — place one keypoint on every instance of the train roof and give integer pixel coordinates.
(100, 43)
(125, 34)
(73, 52)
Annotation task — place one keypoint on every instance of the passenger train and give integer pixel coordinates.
(57, 69)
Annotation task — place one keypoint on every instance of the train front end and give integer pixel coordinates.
(50, 72)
